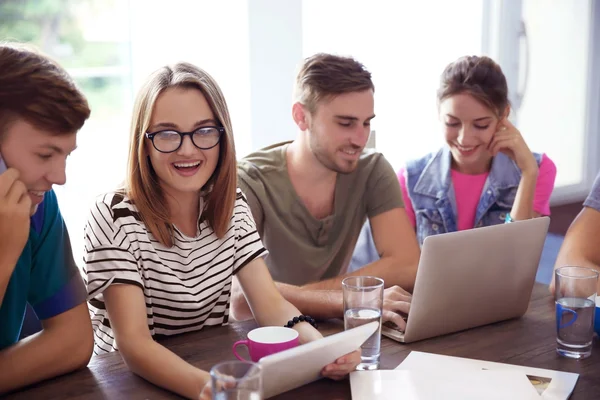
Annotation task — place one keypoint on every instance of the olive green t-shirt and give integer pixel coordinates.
(304, 249)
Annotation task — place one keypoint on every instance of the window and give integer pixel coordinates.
(553, 114)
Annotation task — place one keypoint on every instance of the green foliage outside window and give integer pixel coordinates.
(54, 26)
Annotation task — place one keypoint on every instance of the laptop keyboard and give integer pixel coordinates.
(392, 333)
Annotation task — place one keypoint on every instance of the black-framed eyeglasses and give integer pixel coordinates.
(168, 141)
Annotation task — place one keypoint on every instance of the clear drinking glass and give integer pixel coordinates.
(363, 303)
(575, 299)
(236, 380)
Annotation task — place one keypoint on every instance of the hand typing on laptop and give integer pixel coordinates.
(396, 305)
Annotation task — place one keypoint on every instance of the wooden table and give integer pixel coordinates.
(528, 341)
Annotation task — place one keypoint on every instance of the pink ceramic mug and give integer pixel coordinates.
(267, 340)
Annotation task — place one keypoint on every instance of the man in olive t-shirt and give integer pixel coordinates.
(302, 248)
(310, 197)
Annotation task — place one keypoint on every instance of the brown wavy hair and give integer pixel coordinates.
(324, 76)
(36, 88)
(142, 184)
(481, 77)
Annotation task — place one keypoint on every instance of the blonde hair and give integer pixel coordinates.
(142, 184)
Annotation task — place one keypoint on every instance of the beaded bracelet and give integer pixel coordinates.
(301, 318)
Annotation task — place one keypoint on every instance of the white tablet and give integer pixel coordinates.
(300, 365)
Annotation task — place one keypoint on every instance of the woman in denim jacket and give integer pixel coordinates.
(485, 174)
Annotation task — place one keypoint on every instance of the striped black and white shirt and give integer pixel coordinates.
(186, 287)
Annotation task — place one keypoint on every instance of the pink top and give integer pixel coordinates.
(468, 188)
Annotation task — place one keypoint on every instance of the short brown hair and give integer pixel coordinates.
(142, 184)
(36, 88)
(480, 77)
(323, 76)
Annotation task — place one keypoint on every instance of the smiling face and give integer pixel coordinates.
(186, 170)
(469, 127)
(339, 129)
(39, 156)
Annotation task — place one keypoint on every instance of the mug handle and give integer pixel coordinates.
(560, 310)
(240, 343)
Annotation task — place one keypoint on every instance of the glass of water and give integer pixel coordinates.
(363, 303)
(236, 380)
(575, 299)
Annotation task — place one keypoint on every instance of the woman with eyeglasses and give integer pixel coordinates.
(160, 253)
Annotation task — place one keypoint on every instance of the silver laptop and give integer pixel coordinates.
(471, 278)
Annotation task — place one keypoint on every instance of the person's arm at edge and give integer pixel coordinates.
(152, 361)
(16, 206)
(6, 270)
(66, 340)
(397, 264)
(64, 345)
(580, 245)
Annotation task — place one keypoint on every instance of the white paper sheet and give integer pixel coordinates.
(438, 384)
(552, 385)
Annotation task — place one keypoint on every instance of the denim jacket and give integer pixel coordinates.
(429, 186)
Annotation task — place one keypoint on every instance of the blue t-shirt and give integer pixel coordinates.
(593, 199)
(45, 276)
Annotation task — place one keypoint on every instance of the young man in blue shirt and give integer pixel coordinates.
(41, 111)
